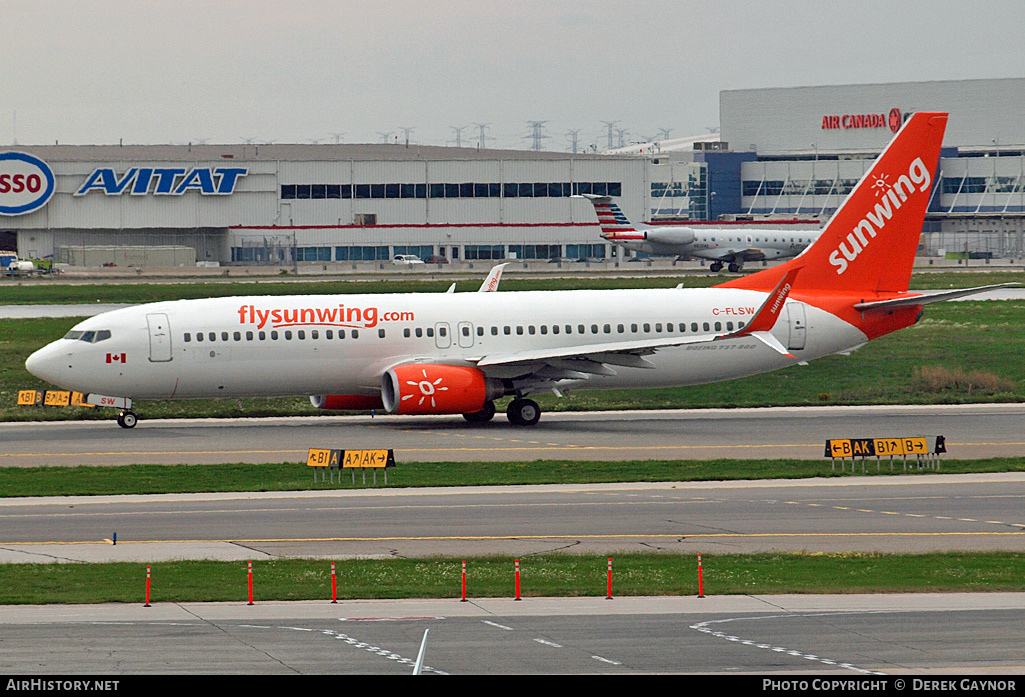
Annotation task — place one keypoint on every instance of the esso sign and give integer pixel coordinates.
(26, 183)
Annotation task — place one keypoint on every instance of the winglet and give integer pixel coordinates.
(491, 282)
(419, 665)
(768, 314)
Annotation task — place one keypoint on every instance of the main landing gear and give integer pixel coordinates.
(127, 419)
(483, 416)
(716, 267)
(521, 412)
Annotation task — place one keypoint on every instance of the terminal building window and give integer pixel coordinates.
(821, 187)
(450, 190)
(362, 253)
(418, 250)
(535, 251)
(966, 185)
(313, 254)
(584, 251)
(484, 251)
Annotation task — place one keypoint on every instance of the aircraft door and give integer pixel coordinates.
(442, 335)
(798, 325)
(159, 338)
(465, 335)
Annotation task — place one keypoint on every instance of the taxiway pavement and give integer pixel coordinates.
(971, 431)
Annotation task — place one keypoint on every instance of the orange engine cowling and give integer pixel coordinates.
(350, 402)
(427, 388)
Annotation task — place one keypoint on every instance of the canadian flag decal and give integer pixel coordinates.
(116, 358)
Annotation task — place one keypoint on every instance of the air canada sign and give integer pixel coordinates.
(164, 181)
(892, 120)
(26, 183)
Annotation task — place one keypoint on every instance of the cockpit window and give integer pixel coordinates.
(91, 336)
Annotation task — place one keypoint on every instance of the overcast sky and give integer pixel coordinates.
(218, 71)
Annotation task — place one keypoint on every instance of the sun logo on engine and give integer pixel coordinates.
(427, 389)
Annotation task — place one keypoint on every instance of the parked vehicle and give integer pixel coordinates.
(401, 259)
(20, 268)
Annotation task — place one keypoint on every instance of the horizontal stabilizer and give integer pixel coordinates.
(926, 298)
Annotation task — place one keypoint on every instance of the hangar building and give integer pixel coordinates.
(801, 150)
(783, 154)
(314, 203)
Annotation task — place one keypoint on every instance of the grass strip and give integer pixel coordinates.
(163, 479)
(547, 575)
(57, 291)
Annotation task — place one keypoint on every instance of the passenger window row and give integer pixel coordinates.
(273, 335)
(544, 329)
(419, 332)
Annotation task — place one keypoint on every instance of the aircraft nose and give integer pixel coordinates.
(46, 364)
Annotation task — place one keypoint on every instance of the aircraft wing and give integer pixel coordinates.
(728, 254)
(637, 348)
(577, 362)
(752, 254)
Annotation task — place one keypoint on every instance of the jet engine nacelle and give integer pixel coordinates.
(670, 235)
(428, 388)
(348, 402)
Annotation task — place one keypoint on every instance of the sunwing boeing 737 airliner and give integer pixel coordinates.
(455, 353)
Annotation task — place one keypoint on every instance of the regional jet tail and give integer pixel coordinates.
(721, 245)
(457, 353)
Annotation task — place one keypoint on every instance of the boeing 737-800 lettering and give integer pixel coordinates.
(456, 353)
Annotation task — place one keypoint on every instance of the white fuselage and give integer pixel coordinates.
(722, 244)
(342, 344)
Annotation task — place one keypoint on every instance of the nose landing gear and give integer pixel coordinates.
(127, 419)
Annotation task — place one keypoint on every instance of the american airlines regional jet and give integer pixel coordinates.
(455, 353)
(729, 246)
